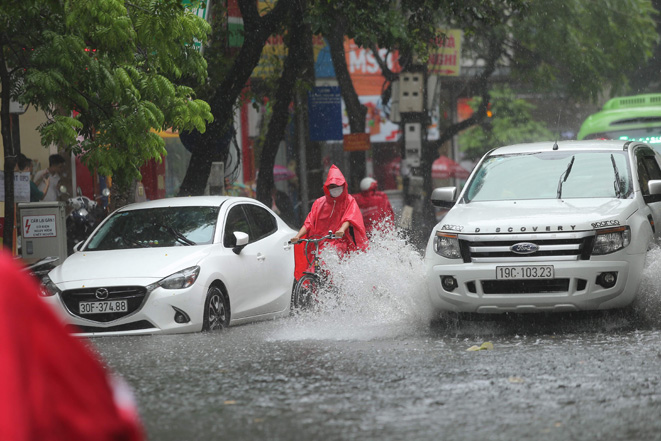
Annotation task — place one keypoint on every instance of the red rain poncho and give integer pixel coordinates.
(328, 214)
(375, 207)
(52, 388)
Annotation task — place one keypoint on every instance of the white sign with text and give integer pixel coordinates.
(39, 226)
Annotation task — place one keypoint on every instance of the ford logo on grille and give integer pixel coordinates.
(101, 293)
(524, 248)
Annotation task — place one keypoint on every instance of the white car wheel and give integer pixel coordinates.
(216, 310)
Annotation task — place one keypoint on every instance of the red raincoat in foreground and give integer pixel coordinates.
(329, 213)
(375, 207)
(52, 388)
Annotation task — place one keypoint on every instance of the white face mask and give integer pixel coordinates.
(335, 192)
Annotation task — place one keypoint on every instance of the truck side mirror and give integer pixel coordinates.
(444, 197)
(654, 187)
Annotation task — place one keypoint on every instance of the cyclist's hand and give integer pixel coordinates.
(339, 233)
(293, 239)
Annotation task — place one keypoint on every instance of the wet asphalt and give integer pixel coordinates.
(570, 377)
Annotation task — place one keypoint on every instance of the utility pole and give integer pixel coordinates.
(413, 112)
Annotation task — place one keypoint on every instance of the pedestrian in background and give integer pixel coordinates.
(282, 206)
(55, 170)
(24, 164)
(374, 206)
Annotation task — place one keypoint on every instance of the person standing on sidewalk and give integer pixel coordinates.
(56, 165)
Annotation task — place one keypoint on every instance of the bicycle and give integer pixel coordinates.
(312, 283)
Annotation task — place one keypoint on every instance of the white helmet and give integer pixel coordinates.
(367, 183)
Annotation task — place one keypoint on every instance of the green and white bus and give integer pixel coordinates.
(634, 118)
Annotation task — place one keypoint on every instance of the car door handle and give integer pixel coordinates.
(261, 257)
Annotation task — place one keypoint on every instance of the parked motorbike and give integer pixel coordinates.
(42, 267)
(84, 216)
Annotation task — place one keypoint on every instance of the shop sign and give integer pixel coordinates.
(356, 142)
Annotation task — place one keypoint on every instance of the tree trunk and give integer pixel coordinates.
(429, 149)
(283, 97)
(313, 162)
(203, 146)
(355, 110)
(10, 154)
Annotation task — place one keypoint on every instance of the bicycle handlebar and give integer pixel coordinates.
(329, 236)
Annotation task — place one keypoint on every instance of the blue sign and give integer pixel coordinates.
(325, 112)
(323, 67)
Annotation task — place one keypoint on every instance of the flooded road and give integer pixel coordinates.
(373, 367)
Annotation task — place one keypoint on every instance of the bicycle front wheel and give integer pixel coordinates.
(306, 291)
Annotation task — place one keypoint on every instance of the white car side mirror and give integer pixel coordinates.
(242, 240)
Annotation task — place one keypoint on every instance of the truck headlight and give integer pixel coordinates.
(447, 245)
(611, 240)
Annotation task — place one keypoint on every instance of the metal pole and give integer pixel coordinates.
(302, 153)
(454, 117)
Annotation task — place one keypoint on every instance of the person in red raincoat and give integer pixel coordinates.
(52, 387)
(336, 211)
(374, 205)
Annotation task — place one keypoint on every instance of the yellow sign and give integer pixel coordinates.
(445, 58)
(275, 52)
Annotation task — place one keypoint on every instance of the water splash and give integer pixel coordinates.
(381, 293)
(647, 306)
(376, 293)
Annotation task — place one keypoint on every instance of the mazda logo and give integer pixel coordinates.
(524, 248)
(101, 294)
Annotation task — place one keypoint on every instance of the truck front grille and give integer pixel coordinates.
(551, 247)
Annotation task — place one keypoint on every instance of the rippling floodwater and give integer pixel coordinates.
(371, 367)
(382, 291)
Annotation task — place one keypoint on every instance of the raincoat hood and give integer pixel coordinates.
(335, 177)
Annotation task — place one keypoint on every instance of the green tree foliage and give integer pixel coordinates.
(223, 91)
(511, 123)
(125, 68)
(581, 46)
(108, 74)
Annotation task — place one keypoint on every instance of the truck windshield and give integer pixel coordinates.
(544, 175)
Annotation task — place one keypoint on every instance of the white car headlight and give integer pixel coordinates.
(181, 279)
(48, 288)
(611, 240)
(447, 245)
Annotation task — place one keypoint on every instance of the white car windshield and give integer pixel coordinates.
(156, 227)
(551, 175)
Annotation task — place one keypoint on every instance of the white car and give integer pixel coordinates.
(177, 265)
(547, 227)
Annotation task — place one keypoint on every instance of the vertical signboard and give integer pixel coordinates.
(21, 186)
(325, 112)
(445, 59)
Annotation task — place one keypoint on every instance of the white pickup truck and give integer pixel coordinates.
(546, 227)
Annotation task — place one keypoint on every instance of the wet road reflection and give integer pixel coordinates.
(373, 368)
